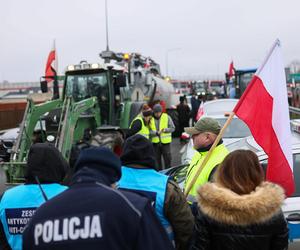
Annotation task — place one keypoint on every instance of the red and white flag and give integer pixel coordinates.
(147, 64)
(264, 108)
(231, 70)
(51, 66)
(200, 111)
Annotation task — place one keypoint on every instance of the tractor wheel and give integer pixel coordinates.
(111, 139)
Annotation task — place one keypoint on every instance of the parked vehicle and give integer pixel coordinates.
(199, 87)
(241, 79)
(7, 140)
(216, 89)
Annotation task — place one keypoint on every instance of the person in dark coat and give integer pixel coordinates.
(240, 210)
(183, 114)
(195, 103)
(45, 170)
(139, 175)
(91, 214)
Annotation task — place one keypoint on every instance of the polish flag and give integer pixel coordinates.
(147, 64)
(200, 111)
(231, 70)
(51, 66)
(264, 108)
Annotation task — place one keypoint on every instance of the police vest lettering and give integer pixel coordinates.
(17, 219)
(73, 228)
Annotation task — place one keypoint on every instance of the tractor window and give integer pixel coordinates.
(84, 86)
(244, 81)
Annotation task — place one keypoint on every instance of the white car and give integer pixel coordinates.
(220, 110)
(7, 139)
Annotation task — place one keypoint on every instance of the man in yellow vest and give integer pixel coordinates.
(140, 124)
(161, 128)
(204, 133)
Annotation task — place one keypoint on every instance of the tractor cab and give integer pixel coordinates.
(103, 81)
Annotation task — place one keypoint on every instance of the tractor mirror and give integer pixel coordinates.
(44, 87)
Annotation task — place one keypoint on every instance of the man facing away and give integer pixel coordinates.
(46, 168)
(91, 214)
(183, 114)
(161, 129)
(139, 175)
(204, 133)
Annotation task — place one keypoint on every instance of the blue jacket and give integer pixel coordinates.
(19, 204)
(92, 215)
(151, 184)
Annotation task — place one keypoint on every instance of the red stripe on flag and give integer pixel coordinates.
(200, 111)
(231, 70)
(255, 109)
(49, 72)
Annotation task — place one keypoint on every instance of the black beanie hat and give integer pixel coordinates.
(138, 150)
(45, 162)
(102, 159)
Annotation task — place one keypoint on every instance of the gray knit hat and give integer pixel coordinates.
(157, 108)
(205, 124)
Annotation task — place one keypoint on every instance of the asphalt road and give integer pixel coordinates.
(175, 151)
(294, 245)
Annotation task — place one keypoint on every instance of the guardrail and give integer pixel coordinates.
(294, 110)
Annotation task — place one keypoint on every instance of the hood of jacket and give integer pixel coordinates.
(90, 175)
(225, 206)
(138, 150)
(46, 163)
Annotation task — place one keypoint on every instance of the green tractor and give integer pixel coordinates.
(95, 106)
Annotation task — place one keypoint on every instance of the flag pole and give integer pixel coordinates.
(199, 170)
(276, 43)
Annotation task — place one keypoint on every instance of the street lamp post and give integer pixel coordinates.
(167, 58)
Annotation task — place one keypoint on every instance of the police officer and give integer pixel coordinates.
(46, 168)
(139, 175)
(204, 134)
(161, 129)
(91, 214)
(140, 124)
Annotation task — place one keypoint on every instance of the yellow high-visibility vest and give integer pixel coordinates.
(144, 131)
(217, 156)
(163, 123)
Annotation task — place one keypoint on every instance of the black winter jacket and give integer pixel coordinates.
(226, 220)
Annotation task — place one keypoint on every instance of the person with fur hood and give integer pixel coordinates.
(240, 210)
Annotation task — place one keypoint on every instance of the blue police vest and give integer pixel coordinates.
(151, 184)
(18, 205)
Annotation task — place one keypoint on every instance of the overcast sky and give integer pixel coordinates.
(207, 34)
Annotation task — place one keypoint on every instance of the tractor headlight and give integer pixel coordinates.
(71, 67)
(95, 66)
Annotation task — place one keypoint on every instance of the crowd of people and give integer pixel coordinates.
(124, 202)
